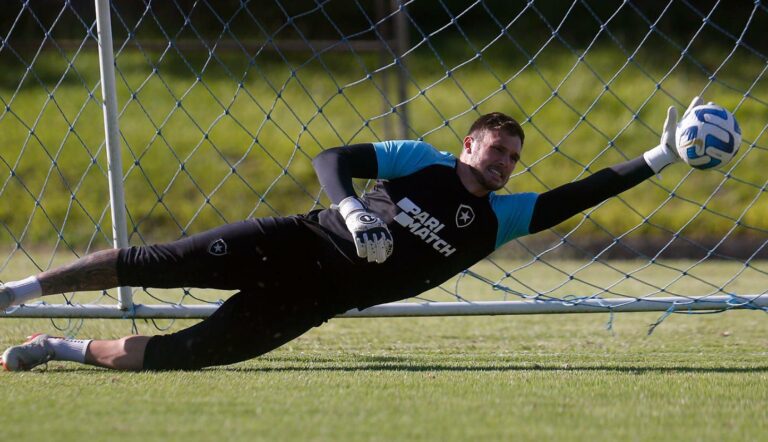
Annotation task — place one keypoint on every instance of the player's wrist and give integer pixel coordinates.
(660, 157)
(349, 205)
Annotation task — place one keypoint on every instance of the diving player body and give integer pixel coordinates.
(429, 216)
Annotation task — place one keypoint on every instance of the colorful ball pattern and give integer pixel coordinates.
(708, 137)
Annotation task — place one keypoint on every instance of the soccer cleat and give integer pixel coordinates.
(30, 354)
(6, 297)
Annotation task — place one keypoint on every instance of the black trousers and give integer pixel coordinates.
(283, 272)
(247, 325)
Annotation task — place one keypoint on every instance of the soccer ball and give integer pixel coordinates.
(708, 137)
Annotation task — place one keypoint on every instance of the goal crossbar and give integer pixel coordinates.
(414, 309)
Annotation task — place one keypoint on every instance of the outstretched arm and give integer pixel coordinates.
(559, 204)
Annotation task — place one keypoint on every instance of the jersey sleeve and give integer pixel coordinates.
(514, 214)
(398, 158)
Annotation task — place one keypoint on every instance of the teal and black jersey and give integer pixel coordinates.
(438, 227)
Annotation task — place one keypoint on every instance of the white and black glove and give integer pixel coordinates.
(666, 152)
(371, 235)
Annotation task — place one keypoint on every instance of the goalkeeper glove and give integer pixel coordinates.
(666, 152)
(370, 234)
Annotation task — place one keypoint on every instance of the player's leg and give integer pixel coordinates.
(227, 257)
(96, 271)
(249, 324)
(212, 259)
(121, 354)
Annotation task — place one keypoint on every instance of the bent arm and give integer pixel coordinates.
(336, 167)
(557, 205)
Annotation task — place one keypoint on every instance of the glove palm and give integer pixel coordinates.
(666, 152)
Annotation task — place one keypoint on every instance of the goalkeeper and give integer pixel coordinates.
(430, 216)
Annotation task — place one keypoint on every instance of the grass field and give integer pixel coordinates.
(564, 377)
(492, 378)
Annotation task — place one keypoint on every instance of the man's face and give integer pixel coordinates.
(491, 157)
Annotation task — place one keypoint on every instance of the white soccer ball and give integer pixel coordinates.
(708, 137)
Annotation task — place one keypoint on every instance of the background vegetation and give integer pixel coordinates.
(214, 136)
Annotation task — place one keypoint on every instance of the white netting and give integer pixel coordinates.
(223, 104)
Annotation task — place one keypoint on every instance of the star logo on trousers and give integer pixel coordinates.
(218, 248)
(464, 216)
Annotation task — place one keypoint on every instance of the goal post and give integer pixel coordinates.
(213, 111)
(112, 139)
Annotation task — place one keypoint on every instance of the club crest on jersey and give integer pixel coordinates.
(218, 248)
(464, 216)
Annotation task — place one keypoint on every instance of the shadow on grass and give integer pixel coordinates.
(415, 367)
(497, 368)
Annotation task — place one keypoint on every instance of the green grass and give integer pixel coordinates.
(564, 377)
(498, 378)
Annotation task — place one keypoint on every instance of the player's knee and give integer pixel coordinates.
(128, 352)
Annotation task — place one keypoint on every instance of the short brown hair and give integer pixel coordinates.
(498, 121)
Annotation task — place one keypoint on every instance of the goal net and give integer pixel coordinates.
(222, 105)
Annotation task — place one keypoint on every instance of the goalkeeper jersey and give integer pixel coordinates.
(438, 227)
